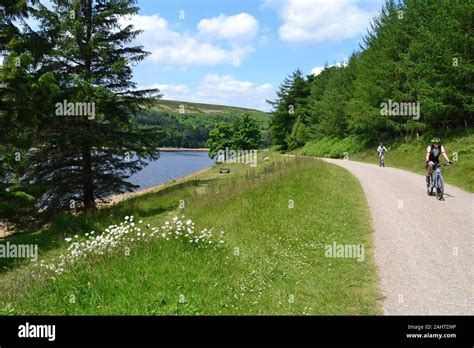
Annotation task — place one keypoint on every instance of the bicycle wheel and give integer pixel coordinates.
(439, 188)
(429, 185)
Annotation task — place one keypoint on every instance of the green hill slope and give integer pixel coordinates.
(187, 124)
(212, 111)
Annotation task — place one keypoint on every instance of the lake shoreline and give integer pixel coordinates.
(183, 149)
(6, 231)
(127, 195)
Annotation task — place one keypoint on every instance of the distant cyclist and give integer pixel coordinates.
(381, 149)
(433, 151)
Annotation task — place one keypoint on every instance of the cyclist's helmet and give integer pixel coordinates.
(436, 140)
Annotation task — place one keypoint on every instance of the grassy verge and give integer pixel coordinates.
(405, 153)
(410, 155)
(332, 147)
(277, 219)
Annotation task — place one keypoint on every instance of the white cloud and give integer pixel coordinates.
(321, 20)
(172, 48)
(317, 70)
(241, 27)
(222, 90)
(171, 91)
(225, 89)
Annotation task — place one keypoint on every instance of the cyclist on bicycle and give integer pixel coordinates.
(381, 150)
(433, 151)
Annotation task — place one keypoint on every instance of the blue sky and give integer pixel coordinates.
(237, 52)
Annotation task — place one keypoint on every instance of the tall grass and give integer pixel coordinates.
(332, 147)
(277, 218)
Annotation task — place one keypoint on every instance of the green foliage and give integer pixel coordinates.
(79, 55)
(298, 135)
(247, 134)
(290, 104)
(208, 114)
(220, 138)
(186, 124)
(333, 147)
(23, 196)
(416, 51)
(174, 131)
(23, 91)
(16, 206)
(242, 135)
(409, 153)
(329, 107)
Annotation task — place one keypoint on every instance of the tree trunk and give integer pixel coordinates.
(88, 182)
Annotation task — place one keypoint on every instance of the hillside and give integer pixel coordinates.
(213, 111)
(186, 124)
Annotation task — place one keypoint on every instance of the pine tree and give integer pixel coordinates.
(415, 52)
(441, 60)
(292, 95)
(22, 92)
(298, 135)
(85, 151)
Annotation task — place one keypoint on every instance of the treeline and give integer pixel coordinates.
(67, 104)
(175, 132)
(417, 54)
(192, 129)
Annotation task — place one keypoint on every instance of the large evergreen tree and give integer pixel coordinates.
(82, 159)
(415, 52)
(22, 92)
(292, 96)
(440, 60)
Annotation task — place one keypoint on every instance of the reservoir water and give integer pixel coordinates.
(171, 165)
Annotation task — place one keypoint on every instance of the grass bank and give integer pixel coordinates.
(277, 220)
(406, 153)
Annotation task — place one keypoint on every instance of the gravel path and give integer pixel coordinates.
(424, 248)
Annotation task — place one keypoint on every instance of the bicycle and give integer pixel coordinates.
(436, 181)
(381, 160)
